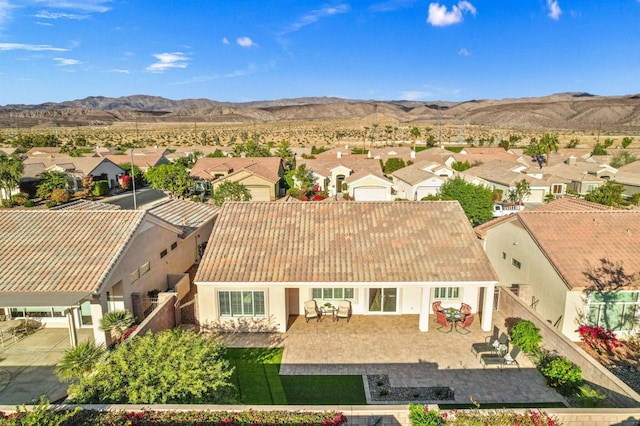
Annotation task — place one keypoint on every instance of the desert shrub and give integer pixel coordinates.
(599, 338)
(100, 188)
(563, 375)
(526, 336)
(589, 397)
(420, 415)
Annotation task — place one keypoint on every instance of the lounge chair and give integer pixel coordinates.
(501, 360)
(464, 324)
(491, 344)
(344, 310)
(311, 310)
(441, 317)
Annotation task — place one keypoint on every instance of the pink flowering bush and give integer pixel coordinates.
(599, 338)
(423, 416)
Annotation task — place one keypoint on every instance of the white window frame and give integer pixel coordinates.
(226, 297)
(318, 293)
(446, 293)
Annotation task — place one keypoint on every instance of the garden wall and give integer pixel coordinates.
(161, 318)
(593, 372)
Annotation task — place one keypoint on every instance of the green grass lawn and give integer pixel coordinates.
(258, 382)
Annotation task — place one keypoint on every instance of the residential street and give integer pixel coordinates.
(144, 198)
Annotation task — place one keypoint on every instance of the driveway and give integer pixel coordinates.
(27, 366)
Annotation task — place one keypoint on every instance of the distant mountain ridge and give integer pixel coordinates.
(578, 111)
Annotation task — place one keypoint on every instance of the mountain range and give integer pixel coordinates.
(572, 111)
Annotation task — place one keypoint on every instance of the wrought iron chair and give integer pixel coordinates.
(311, 310)
(441, 317)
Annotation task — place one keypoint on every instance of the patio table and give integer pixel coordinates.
(453, 315)
(326, 310)
(7, 329)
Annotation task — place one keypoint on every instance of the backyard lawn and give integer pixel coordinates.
(258, 382)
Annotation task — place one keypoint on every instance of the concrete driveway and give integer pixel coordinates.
(27, 366)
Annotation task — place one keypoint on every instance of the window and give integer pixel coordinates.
(133, 277)
(174, 245)
(516, 263)
(145, 268)
(446, 293)
(592, 187)
(241, 303)
(163, 253)
(504, 255)
(556, 189)
(615, 309)
(333, 293)
(39, 312)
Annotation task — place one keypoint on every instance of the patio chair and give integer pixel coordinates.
(491, 344)
(32, 325)
(463, 327)
(311, 310)
(344, 310)
(465, 309)
(501, 360)
(441, 317)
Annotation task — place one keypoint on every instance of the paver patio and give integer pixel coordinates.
(393, 345)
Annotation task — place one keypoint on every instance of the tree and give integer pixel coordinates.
(215, 154)
(626, 141)
(393, 164)
(476, 201)
(536, 151)
(169, 177)
(599, 149)
(250, 149)
(51, 180)
(171, 367)
(80, 361)
(521, 190)
(11, 169)
(284, 152)
(609, 194)
(548, 143)
(301, 179)
(117, 322)
(621, 158)
(414, 132)
(230, 191)
(461, 166)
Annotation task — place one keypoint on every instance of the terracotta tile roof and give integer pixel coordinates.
(86, 205)
(577, 241)
(143, 161)
(323, 166)
(344, 242)
(267, 166)
(62, 251)
(570, 204)
(78, 165)
(416, 173)
(187, 215)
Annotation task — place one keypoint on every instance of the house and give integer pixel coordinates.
(75, 167)
(369, 186)
(70, 267)
(552, 254)
(144, 161)
(629, 177)
(581, 177)
(418, 180)
(267, 259)
(262, 176)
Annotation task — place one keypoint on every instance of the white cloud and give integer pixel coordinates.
(225, 40)
(31, 47)
(65, 62)
(119, 71)
(168, 60)
(439, 16)
(392, 5)
(464, 52)
(99, 6)
(44, 14)
(414, 95)
(5, 11)
(316, 15)
(245, 42)
(554, 9)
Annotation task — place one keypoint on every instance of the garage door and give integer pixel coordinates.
(260, 193)
(423, 191)
(537, 196)
(370, 194)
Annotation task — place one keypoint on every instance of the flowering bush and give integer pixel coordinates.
(317, 197)
(422, 416)
(60, 195)
(599, 338)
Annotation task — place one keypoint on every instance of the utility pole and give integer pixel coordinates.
(133, 182)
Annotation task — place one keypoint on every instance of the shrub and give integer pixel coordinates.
(317, 197)
(562, 374)
(589, 397)
(526, 336)
(28, 203)
(100, 188)
(60, 195)
(19, 198)
(421, 416)
(505, 418)
(7, 204)
(599, 338)
(50, 203)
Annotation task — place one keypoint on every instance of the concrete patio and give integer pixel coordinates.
(27, 366)
(393, 345)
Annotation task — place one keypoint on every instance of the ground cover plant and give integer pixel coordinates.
(258, 381)
(421, 415)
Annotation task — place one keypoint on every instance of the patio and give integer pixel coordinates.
(393, 345)
(27, 366)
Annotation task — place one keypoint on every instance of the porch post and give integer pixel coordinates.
(73, 335)
(425, 308)
(487, 307)
(98, 309)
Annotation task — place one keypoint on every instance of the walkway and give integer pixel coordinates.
(393, 345)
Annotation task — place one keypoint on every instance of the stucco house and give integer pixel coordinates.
(262, 176)
(550, 255)
(267, 259)
(418, 180)
(143, 160)
(69, 267)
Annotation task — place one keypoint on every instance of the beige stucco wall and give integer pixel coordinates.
(252, 181)
(548, 291)
(111, 170)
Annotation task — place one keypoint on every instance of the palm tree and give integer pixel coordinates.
(117, 322)
(548, 143)
(415, 134)
(79, 361)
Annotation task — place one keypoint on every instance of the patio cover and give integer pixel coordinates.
(37, 299)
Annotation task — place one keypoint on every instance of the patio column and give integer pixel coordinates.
(425, 308)
(98, 309)
(73, 335)
(487, 307)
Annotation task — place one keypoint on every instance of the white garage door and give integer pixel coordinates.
(370, 194)
(537, 196)
(423, 191)
(259, 193)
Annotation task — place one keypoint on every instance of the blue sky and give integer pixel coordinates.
(246, 50)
